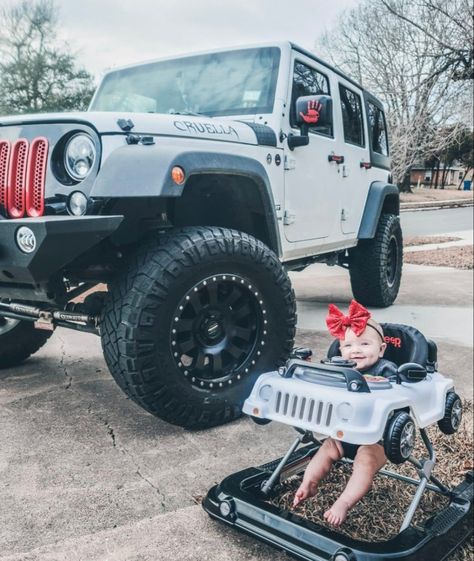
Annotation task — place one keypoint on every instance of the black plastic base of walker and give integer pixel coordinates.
(239, 502)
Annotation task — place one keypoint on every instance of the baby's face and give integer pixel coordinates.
(364, 350)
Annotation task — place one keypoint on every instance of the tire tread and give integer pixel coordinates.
(367, 269)
(144, 287)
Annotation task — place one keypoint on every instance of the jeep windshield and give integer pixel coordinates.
(239, 82)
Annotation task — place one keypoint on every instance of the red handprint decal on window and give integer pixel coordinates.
(312, 112)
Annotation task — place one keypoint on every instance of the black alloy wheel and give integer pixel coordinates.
(219, 330)
(392, 265)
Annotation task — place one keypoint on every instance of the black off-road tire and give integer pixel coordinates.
(399, 438)
(375, 265)
(19, 340)
(451, 421)
(220, 295)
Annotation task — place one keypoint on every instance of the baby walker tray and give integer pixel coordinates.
(333, 399)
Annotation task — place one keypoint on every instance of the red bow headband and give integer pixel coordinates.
(356, 320)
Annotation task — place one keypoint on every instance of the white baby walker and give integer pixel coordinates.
(332, 399)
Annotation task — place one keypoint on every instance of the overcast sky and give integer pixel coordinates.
(108, 33)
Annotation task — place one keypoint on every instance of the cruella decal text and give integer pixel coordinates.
(203, 128)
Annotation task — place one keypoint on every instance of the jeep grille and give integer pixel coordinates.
(304, 409)
(22, 177)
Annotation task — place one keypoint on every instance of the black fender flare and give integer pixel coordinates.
(381, 197)
(145, 171)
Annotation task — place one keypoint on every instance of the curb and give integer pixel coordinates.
(434, 205)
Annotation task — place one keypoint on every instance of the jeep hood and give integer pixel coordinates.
(191, 126)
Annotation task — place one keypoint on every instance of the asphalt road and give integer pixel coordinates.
(430, 222)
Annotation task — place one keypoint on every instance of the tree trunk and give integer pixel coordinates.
(405, 186)
(437, 175)
(463, 178)
(431, 177)
(443, 177)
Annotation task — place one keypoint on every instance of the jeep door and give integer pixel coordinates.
(311, 200)
(355, 174)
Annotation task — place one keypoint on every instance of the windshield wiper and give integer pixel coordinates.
(188, 113)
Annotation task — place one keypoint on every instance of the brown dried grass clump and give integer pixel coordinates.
(378, 516)
(421, 195)
(459, 257)
(424, 240)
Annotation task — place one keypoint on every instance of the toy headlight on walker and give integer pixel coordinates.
(265, 392)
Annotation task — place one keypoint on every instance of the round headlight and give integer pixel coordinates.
(77, 204)
(345, 411)
(265, 392)
(79, 156)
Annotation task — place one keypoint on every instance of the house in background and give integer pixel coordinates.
(452, 176)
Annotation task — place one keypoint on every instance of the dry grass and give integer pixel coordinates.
(460, 257)
(424, 240)
(379, 515)
(421, 195)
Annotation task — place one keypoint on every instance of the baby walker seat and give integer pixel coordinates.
(333, 399)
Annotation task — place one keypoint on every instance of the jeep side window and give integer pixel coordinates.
(352, 116)
(377, 129)
(308, 81)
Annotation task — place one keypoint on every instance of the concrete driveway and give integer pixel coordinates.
(87, 475)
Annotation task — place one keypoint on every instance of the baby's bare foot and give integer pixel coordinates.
(337, 513)
(305, 490)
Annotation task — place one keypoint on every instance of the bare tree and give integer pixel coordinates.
(393, 58)
(37, 73)
(449, 24)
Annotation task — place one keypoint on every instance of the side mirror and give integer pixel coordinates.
(311, 111)
(411, 372)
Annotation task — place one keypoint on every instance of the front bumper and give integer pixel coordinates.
(59, 240)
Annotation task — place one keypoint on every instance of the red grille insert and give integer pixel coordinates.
(22, 177)
(4, 161)
(17, 179)
(35, 177)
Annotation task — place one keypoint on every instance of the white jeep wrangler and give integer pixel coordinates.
(189, 188)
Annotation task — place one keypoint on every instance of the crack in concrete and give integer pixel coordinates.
(63, 366)
(105, 422)
(110, 430)
(125, 452)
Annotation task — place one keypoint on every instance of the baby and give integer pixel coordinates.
(362, 341)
